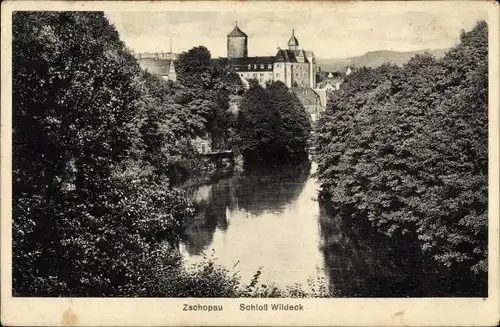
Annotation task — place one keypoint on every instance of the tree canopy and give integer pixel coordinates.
(207, 86)
(90, 216)
(407, 149)
(272, 125)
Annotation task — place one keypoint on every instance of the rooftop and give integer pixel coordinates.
(287, 55)
(252, 60)
(263, 63)
(155, 66)
(236, 32)
(293, 40)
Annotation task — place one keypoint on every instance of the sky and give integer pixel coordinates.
(338, 31)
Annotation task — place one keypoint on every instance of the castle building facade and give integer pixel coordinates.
(295, 67)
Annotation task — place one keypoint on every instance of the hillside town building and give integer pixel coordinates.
(161, 64)
(310, 99)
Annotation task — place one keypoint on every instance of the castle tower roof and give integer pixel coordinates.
(293, 43)
(237, 32)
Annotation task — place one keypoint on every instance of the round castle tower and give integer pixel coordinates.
(237, 43)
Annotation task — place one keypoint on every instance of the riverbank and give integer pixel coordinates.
(362, 262)
(264, 221)
(234, 214)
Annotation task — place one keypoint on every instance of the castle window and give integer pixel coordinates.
(254, 66)
(249, 67)
(269, 66)
(261, 74)
(255, 75)
(277, 74)
(261, 66)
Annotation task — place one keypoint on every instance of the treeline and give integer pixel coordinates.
(407, 149)
(95, 140)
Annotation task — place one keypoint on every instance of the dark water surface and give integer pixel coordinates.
(273, 220)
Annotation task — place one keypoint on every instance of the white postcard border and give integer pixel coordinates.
(317, 312)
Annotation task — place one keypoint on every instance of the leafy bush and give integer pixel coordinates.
(315, 289)
(206, 279)
(209, 279)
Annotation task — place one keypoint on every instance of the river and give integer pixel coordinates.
(273, 221)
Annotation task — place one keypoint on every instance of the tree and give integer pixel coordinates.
(90, 217)
(272, 125)
(193, 68)
(233, 84)
(167, 122)
(407, 150)
(462, 164)
(209, 84)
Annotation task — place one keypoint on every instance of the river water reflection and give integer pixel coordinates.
(273, 220)
(267, 220)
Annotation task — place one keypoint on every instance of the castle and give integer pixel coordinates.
(295, 67)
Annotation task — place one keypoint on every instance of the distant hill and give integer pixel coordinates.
(374, 59)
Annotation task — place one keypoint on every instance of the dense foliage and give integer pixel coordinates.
(366, 263)
(94, 138)
(89, 213)
(272, 125)
(207, 84)
(407, 149)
